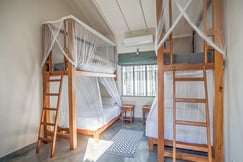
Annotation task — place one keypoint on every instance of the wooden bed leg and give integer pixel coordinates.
(96, 136)
(151, 144)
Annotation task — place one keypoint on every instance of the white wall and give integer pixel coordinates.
(234, 82)
(20, 79)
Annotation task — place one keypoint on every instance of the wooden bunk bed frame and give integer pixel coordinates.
(47, 71)
(217, 67)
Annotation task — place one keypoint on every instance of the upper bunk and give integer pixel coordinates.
(188, 35)
(69, 42)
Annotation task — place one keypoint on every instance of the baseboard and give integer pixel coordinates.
(18, 153)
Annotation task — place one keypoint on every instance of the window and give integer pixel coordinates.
(139, 80)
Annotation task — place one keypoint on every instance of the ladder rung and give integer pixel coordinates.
(192, 147)
(191, 123)
(55, 73)
(48, 108)
(49, 124)
(189, 79)
(193, 100)
(54, 80)
(45, 139)
(52, 94)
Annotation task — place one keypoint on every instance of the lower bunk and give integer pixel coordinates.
(191, 141)
(90, 126)
(98, 105)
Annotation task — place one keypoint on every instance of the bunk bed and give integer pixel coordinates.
(205, 18)
(87, 61)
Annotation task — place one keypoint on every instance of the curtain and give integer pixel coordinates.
(88, 100)
(140, 58)
(110, 85)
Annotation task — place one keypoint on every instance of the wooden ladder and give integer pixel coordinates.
(206, 124)
(44, 134)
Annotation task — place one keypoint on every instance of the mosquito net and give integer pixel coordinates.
(91, 51)
(187, 17)
(89, 107)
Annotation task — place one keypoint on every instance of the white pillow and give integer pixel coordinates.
(108, 101)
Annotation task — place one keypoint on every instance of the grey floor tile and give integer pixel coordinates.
(64, 154)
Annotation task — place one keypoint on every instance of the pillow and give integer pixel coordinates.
(108, 101)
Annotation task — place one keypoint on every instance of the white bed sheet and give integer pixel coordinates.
(89, 123)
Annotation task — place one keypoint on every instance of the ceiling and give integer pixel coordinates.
(116, 17)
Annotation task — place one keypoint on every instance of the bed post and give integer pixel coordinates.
(160, 61)
(46, 68)
(71, 88)
(219, 83)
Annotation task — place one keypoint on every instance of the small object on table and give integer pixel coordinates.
(127, 108)
(145, 110)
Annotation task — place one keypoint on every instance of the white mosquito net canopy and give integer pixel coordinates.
(187, 17)
(91, 51)
(89, 102)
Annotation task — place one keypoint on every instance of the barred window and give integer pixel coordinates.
(139, 80)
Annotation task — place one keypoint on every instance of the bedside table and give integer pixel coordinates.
(145, 110)
(127, 109)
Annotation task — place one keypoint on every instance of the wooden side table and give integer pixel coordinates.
(145, 109)
(127, 109)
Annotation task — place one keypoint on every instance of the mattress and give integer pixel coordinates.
(93, 123)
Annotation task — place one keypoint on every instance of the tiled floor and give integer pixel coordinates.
(63, 153)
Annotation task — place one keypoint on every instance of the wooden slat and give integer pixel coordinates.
(181, 67)
(192, 147)
(61, 135)
(54, 80)
(50, 109)
(191, 100)
(49, 124)
(52, 94)
(191, 123)
(189, 79)
(186, 156)
(56, 73)
(153, 141)
(167, 51)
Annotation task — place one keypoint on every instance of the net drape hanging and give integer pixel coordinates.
(110, 85)
(88, 101)
(191, 12)
(185, 111)
(90, 50)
